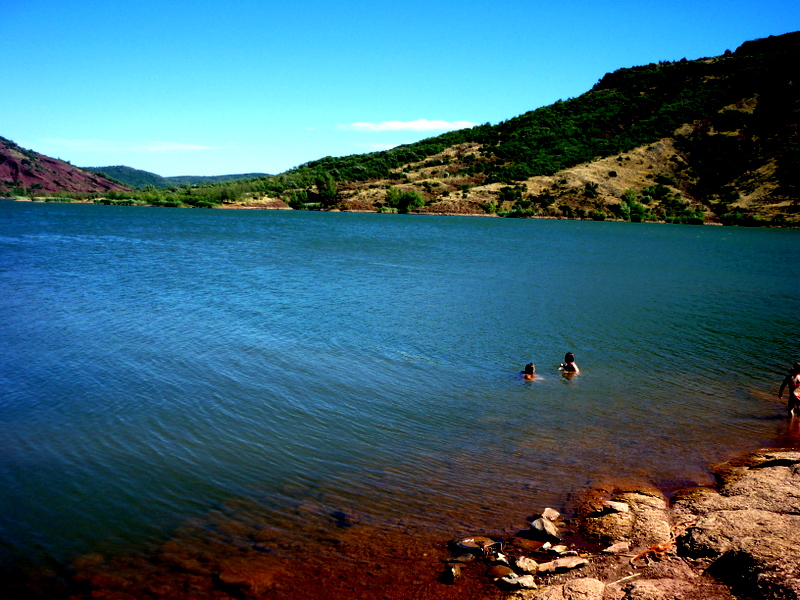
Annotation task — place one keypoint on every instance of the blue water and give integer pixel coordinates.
(158, 362)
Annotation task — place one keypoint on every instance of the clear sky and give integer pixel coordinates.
(204, 87)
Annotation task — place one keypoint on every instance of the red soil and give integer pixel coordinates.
(21, 168)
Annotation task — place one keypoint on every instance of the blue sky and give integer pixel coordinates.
(209, 88)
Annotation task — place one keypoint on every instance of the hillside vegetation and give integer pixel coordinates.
(137, 178)
(691, 141)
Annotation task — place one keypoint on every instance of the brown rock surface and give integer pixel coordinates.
(741, 539)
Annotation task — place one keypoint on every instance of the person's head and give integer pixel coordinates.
(530, 368)
(795, 368)
(569, 357)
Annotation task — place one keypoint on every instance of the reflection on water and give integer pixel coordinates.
(162, 368)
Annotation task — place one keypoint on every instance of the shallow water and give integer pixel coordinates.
(158, 364)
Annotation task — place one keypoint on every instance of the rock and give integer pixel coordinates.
(545, 529)
(476, 544)
(749, 527)
(657, 589)
(609, 528)
(560, 565)
(526, 565)
(644, 521)
(551, 514)
(672, 568)
(762, 480)
(560, 549)
(749, 548)
(518, 581)
(617, 548)
(619, 507)
(526, 544)
(498, 571)
(585, 588)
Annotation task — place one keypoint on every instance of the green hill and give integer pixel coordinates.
(137, 178)
(691, 141)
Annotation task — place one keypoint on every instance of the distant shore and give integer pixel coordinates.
(284, 207)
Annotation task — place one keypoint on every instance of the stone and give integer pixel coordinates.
(560, 565)
(551, 514)
(526, 565)
(526, 544)
(546, 529)
(498, 571)
(476, 544)
(518, 581)
(617, 548)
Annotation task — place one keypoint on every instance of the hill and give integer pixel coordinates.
(714, 139)
(24, 172)
(137, 178)
(691, 141)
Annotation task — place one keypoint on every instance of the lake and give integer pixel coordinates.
(165, 370)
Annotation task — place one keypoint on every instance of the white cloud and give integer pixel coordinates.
(110, 146)
(418, 125)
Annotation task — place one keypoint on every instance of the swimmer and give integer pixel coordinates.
(569, 366)
(792, 381)
(530, 371)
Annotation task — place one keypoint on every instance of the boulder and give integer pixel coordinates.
(545, 529)
(640, 517)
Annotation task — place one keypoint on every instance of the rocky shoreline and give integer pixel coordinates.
(621, 541)
(740, 539)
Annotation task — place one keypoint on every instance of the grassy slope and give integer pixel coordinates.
(720, 132)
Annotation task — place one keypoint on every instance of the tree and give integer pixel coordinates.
(326, 188)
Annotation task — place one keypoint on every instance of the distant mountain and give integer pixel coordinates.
(137, 178)
(24, 171)
(134, 178)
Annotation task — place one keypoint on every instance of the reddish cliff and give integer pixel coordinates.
(24, 171)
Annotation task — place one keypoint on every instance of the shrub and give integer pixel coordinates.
(404, 201)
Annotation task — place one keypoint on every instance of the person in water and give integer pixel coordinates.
(792, 381)
(569, 366)
(529, 372)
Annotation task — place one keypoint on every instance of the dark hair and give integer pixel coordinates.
(796, 367)
(530, 369)
(569, 357)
